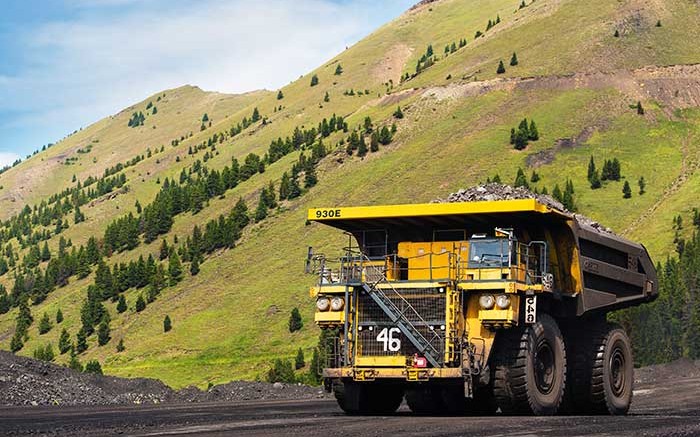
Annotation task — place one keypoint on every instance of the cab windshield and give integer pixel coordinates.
(488, 253)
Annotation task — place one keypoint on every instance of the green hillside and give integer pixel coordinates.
(578, 81)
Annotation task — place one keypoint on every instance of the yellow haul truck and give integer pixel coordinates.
(470, 307)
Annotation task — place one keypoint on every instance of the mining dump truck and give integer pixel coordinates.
(468, 308)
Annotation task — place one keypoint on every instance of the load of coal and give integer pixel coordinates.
(29, 382)
(495, 191)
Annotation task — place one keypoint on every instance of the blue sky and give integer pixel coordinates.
(66, 64)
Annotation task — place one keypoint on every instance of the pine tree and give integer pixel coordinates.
(194, 267)
(327, 97)
(616, 170)
(642, 186)
(261, 209)
(81, 341)
(285, 185)
(140, 304)
(167, 324)
(501, 68)
(310, 178)
(398, 114)
(368, 125)
(64, 343)
(295, 322)
(121, 304)
(44, 324)
(59, 316)
(299, 360)
(174, 268)
(521, 137)
(103, 332)
(164, 250)
(281, 371)
(521, 179)
(514, 60)
(280, 95)
(591, 168)
(314, 80)
(74, 363)
(535, 177)
(386, 136)
(533, 134)
(594, 179)
(338, 70)
(626, 191)
(616, 34)
(4, 301)
(120, 345)
(256, 115)
(557, 194)
(93, 366)
(362, 148)
(315, 367)
(16, 343)
(45, 252)
(374, 142)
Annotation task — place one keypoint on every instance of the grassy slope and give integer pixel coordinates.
(232, 317)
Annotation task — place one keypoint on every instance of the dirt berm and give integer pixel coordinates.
(25, 381)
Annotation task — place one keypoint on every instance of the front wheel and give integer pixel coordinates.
(530, 368)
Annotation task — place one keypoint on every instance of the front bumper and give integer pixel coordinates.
(404, 373)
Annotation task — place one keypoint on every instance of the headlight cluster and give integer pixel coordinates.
(324, 303)
(488, 301)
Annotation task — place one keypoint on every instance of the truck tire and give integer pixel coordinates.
(603, 372)
(368, 398)
(530, 368)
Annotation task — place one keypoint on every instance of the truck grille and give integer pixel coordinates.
(428, 302)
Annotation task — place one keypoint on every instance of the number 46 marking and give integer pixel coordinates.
(391, 343)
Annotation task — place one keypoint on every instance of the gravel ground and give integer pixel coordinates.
(496, 191)
(25, 381)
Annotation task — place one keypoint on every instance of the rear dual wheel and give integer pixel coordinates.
(602, 370)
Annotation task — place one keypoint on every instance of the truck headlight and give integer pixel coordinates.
(323, 303)
(502, 301)
(486, 301)
(337, 303)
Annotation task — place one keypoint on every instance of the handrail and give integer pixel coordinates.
(401, 314)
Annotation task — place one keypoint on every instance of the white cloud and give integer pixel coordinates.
(93, 65)
(7, 158)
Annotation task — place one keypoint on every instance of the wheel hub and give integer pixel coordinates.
(544, 367)
(617, 371)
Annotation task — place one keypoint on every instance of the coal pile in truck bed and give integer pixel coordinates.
(496, 191)
(26, 381)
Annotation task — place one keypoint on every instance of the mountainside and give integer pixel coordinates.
(582, 68)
